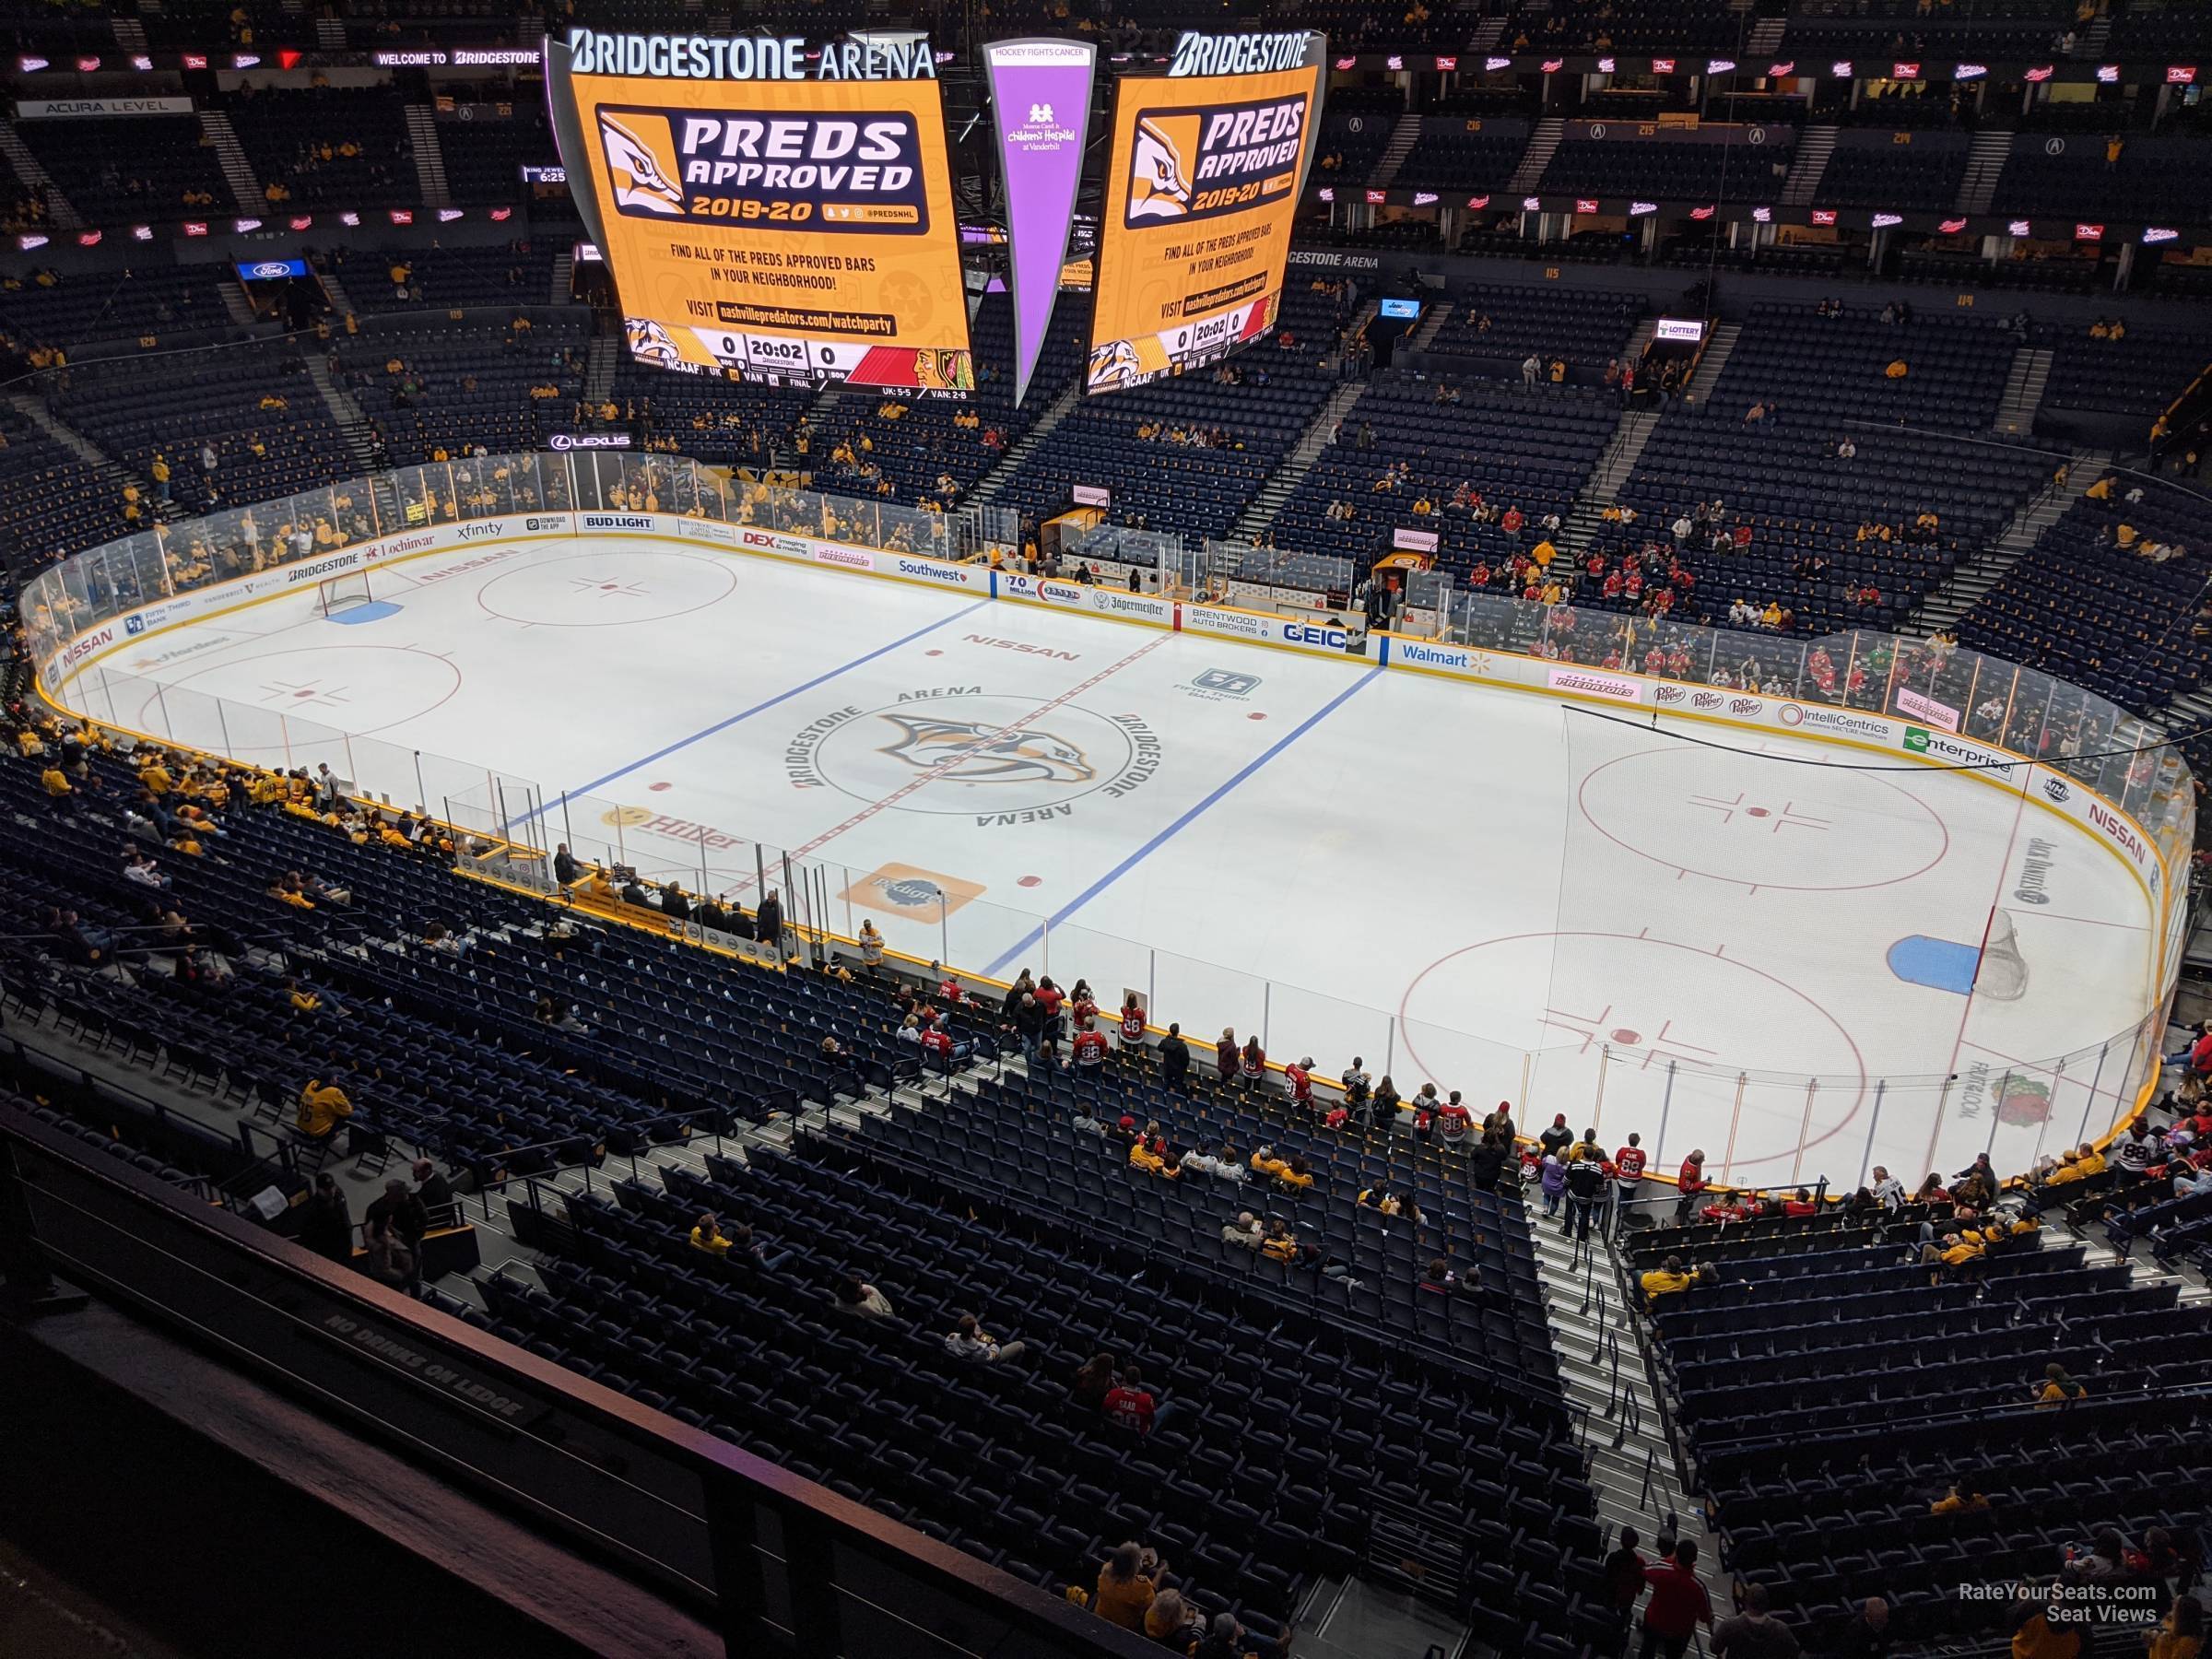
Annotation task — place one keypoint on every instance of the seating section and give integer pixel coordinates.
(145, 167)
(1873, 170)
(1879, 29)
(878, 443)
(1352, 142)
(237, 399)
(325, 147)
(1679, 171)
(159, 301)
(485, 157)
(1529, 451)
(1833, 1394)
(1495, 326)
(1196, 490)
(460, 385)
(2126, 621)
(2139, 375)
(52, 502)
(1475, 153)
(510, 275)
(2155, 179)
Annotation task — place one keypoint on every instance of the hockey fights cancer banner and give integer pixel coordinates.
(1207, 166)
(1041, 93)
(770, 212)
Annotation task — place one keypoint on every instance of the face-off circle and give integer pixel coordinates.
(269, 698)
(608, 589)
(977, 753)
(1654, 1012)
(1763, 823)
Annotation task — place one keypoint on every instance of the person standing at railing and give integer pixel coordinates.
(1628, 1178)
(1691, 1182)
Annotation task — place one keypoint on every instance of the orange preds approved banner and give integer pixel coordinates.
(795, 230)
(1209, 163)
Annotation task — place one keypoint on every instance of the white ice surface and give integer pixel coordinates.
(1480, 888)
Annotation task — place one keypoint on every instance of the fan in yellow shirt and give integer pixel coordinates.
(321, 1105)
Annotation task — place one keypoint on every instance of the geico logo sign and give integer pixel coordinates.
(1834, 720)
(2119, 830)
(480, 532)
(851, 558)
(929, 572)
(1310, 633)
(617, 521)
(84, 645)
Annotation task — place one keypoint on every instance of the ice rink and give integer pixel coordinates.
(1717, 938)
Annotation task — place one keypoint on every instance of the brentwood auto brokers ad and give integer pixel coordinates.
(1208, 162)
(772, 212)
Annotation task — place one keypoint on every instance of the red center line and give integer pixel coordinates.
(958, 757)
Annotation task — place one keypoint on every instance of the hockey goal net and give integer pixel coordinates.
(342, 592)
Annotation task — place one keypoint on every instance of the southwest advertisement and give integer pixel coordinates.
(1207, 165)
(770, 211)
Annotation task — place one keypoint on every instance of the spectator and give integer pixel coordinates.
(1691, 1184)
(326, 1220)
(1094, 1380)
(1130, 1404)
(1224, 1640)
(1243, 1232)
(1557, 1138)
(967, 1340)
(1253, 1063)
(1175, 1061)
(708, 1237)
(432, 1188)
(1225, 1055)
(1671, 1278)
(1551, 1180)
(857, 1297)
(1627, 1176)
(1754, 1633)
(2181, 1634)
(322, 1106)
(1128, 1586)
(1586, 1187)
(401, 1209)
(1172, 1624)
(2058, 1389)
(1678, 1603)
(1623, 1577)
(1888, 1191)
(1868, 1634)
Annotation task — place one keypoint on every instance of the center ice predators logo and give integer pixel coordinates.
(1160, 179)
(643, 178)
(1116, 363)
(969, 752)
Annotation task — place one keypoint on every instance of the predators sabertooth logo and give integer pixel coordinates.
(1116, 363)
(1160, 179)
(649, 343)
(964, 751)
(643, 180)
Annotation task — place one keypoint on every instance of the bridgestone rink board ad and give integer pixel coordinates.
(770, 212)
(1209, 163)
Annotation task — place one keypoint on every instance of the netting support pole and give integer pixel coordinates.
(422, 795)
(2089, 1104)
(1266, 1011)
(1873, 1122)
(1943, 1104)
(1666, 1106)
(222, 723)
(1805, 1127)
(1736, 1116)
(1597, 1106)
(1995, 1101)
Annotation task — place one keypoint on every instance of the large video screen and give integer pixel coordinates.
(770, 211)
(1207, 164)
